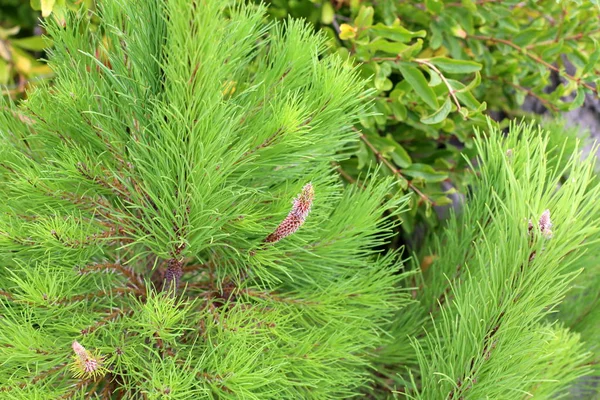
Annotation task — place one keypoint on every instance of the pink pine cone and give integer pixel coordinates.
(296, 217)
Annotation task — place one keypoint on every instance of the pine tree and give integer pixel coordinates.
(485, 323)
(144, 242)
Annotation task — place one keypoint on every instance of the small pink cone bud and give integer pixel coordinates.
(86, 364)
(546, 224)
(296, 217)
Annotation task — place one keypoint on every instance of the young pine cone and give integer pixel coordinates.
(296, 217)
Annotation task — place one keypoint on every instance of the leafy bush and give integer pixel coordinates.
(22, 45)
(439, 66)
(143, 223)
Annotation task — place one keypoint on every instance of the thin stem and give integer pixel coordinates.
(578, 36)
(394, 170)
(545, 102)
(534, 58)
(479, 3)
(451, 90)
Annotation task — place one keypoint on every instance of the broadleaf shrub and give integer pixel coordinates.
(440, 67)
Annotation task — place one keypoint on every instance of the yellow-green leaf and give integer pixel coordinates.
(396, 33)
(46, 6)
(33, 43)
(4, 72)
(364, 17)
(327, 13)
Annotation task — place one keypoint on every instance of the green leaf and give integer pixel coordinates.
(592, 61)
(381, 81)
(362, 154)
(435, 6)
(399, 155)
(399, 110)
(579, 99)
(397, 33)
(425, 172)
(552, 51)
(386, 46)
(439, 115)
(454, 66)
(528, 36)
(469, 5)
(35, 4)
(34, 43)
(417, 81)
(46, 7)
(464, 95)
(327, 13)
(365, 17)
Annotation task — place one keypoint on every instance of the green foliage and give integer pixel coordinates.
(483, 326)
(148, 250)
(138, 191)
(438, 67)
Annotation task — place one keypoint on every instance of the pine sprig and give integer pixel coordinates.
(137, 194)
(498, 271)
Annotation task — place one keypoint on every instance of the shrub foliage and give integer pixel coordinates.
(439, 67)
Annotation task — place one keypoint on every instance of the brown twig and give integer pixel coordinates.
(134, 278)
(102, 293)
(534, 58)
(545, 102)
(479, 3)
(394, 170)
(451, 90)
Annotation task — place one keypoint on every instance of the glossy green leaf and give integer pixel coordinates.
(364, 17)
(439, 115)
(34, 43)
(425, 172)
(396, 33)
(417, 81)
(399, 155)
(386, 46)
